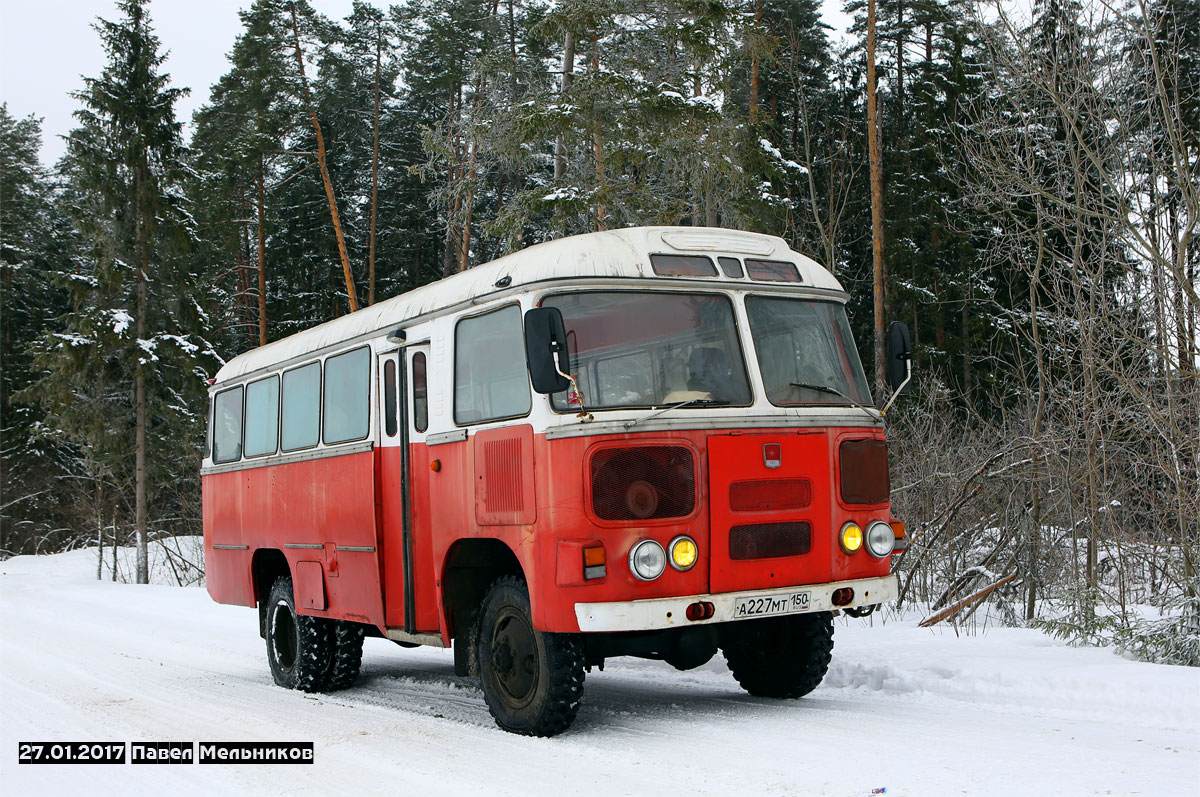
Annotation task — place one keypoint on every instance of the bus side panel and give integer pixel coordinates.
(448, 516)
(226, 571)
(329, 502)
(425, 586)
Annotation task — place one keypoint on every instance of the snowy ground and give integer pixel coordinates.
(912, 711)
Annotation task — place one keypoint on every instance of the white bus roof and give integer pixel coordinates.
(614, 254)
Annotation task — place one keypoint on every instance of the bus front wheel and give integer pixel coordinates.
(783, 657)
(532, 681)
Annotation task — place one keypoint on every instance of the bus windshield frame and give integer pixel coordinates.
(803, 345)
(646, 349)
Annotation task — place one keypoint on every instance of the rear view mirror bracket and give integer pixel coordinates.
(546, 354)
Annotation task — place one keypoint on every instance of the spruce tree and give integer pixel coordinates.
(130, 351)
(37, 244)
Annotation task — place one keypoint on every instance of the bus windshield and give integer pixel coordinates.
(643, 349)
(805, 352)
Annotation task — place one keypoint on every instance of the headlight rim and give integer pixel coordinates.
(671, 552)
(891, 536)
(862, 538)
(633, 553)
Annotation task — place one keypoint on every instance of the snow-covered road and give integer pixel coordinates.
(915, 711)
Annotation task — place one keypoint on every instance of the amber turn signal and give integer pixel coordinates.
(594, 562)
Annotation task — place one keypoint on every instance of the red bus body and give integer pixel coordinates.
(403, 529)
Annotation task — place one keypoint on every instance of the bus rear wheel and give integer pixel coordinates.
(299, 648)
(532, 681)
(782, 657)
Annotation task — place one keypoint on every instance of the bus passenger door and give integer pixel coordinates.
(392, 494)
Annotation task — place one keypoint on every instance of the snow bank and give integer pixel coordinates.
(910, 710)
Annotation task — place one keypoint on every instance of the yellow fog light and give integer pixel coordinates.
(851, 538)
(683, 553)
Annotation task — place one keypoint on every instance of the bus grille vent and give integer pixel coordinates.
(502, 461)
(643, 483)
(769, 540)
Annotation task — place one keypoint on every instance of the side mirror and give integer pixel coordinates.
(899, 359)
(546, 350)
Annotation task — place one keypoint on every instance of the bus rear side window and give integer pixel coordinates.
(347, 396)
(420, 393)
(262, 417)
(301, 407)
(227, 426)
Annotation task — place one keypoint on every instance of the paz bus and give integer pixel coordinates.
(653, 442)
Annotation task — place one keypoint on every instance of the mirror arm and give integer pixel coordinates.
(896, 392)
(583, 415)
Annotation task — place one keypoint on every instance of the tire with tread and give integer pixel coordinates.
(299, 648)
(532, 680)
(347, 655)
(780, 657)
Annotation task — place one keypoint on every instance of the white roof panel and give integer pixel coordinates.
(614, 253)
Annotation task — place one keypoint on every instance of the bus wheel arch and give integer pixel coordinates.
(267, 565)
(470, 568)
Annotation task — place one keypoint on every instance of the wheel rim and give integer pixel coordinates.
(284, 639)
(514, 658)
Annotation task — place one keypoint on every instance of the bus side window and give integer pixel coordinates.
(208, 435)
(347, 396)
(227, 426)
(301, 407)
(262, 417)
(389, 399)
(490, 377)
(420, 393)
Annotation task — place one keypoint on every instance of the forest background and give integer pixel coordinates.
(1040, 201)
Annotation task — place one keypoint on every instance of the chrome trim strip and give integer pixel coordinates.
(712, 422)
(296, 456)
(400, 635)
(357, 548)
(656, 613)
(313, 545)
(458, 435)
(231, 547)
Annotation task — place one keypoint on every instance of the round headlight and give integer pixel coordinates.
(683, 553)
(851, 537)
(880, 539)
(647, 560)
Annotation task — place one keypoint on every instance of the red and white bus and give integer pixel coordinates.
(655, 442)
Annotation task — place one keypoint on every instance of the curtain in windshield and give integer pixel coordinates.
(650, 349)
(804, 346)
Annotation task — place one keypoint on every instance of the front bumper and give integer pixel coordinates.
(657, 613)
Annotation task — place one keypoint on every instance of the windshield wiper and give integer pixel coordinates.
(833, 391)
(656, 413)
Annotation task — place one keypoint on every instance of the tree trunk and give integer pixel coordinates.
(758, 15)
(374, 175)
(143, 572)
(262, 254)
(321, 162)
(876, 164)
(598, 144)
(568, 76)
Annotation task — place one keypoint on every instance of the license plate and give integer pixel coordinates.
(762, 606)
